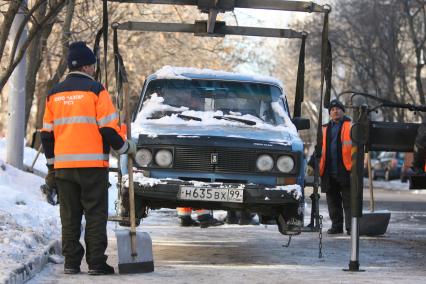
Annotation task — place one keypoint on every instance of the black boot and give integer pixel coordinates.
(102, 269)
(333, 231)
(207, 220)
(231, 217)
(246, 218)
(187, 221)
(71, 269)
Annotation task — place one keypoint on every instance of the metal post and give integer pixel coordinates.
(16, 99)
(359, 138)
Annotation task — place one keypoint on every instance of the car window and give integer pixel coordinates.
(231, 98)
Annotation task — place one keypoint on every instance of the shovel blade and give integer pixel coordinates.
(374, 223)
(143, 262)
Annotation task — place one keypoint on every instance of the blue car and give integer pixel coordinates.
(388, 165)
(218, 140)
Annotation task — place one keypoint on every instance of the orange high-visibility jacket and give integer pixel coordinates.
(80, 124)
(345, 138)
(186, 211)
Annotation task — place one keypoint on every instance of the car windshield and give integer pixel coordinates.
(232, 100)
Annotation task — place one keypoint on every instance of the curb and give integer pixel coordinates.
(33, 266)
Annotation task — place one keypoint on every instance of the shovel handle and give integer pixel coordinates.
(130, 171)
(36, 157)
(370, 182)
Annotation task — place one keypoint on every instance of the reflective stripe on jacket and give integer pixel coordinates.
(80, 124)
(346, 146)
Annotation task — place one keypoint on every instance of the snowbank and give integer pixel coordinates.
(27, 222)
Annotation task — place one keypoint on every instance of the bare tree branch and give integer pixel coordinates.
(35, 31)
(7, 24)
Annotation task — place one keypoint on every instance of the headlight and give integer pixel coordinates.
(143, 157)
(264, 163)
(285, 164)
(164, 158)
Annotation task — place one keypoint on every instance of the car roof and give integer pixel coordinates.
(189, 73)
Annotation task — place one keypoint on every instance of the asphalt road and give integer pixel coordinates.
(255, 254)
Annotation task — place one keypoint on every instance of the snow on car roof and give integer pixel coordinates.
(188, 73)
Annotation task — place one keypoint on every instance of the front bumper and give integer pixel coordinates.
(256, 198)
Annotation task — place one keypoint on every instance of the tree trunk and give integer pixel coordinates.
(419, 84)
(7, 23)
(34, 60)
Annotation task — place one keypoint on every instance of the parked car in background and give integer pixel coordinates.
(388, 165)
(373, 156)
(408, 163)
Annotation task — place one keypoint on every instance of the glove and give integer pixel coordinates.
(309, 171)
(131, 149)
(50, 177)
(50, 193)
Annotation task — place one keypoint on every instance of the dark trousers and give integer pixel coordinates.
(83, 191)
(338, 195)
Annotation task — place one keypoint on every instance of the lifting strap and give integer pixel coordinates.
(318, 147)
(300, 82)
(120, 70)
(105, 34)
(328, 74)
(98, 74)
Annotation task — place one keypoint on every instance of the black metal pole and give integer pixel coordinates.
(359, 138)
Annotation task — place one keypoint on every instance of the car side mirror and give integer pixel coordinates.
(301, 123)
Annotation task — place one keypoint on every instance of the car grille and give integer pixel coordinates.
(199, 159)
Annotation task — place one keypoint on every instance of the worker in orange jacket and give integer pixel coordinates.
(335, 167)
(204, 217)
(80, 125)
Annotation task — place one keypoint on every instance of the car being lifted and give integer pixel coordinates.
(218, 140)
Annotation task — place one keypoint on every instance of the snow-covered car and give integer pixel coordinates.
(219, 140)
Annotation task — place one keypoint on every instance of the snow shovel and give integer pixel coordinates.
(134, 248)
(373, 223)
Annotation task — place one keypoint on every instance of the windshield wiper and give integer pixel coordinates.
(231, 118)
(159, 114)
(188, 117)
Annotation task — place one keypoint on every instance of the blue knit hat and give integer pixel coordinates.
(336, 103)
(80, 55)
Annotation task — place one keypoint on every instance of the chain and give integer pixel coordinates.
(320, 237)
(288, 243)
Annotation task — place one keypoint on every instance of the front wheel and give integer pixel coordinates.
(140, 209)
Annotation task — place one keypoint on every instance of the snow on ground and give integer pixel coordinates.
(27, 222)
(392, 185)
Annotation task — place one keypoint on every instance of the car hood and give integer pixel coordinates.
(187, 131)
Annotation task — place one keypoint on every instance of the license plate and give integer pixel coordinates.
(211, 194)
